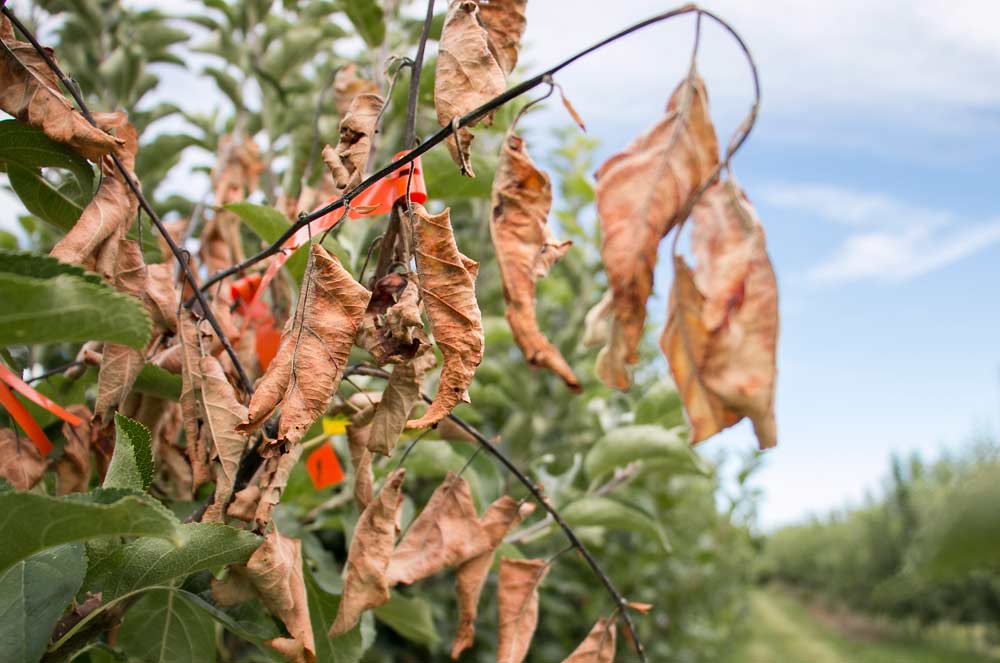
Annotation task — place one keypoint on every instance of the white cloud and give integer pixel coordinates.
(891, 240)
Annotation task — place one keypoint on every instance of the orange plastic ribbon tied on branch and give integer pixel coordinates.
(376, 199)
(254, 310)
(21, 415)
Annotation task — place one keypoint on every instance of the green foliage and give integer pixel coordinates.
(67, 308)
(347, 648)
(131, 465)
(33, 594)
(33, 523)
(156, 381)
(606, 512)
(148, 561)
(367, 17)
(412, 618)
(165, 628)
(637, 443)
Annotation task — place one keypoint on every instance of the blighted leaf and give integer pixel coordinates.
(237, 170)
(518, 602)
(29, 91)
(314, 349)
(501, 516)
(347, 85)
(392, 330)
(162, 293)
(275, 570)
(121, 364)
(223, 412)
(504, 22)
(191, 381)
(348, 160)
(20, 461)
(571, 110)
(526, 250)
(402, 392)
(598, 647)
(448, 288)
(358, 434)
(640, 192)
(722, 331)
(365, 582)
(468, 75)
(73, 467)
(244, 503)
(445, 534)
(277, 469)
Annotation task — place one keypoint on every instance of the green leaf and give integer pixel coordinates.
(269, 224)
(347, 648)
(31, 148)
(150, 561)
(633, 443)
(131, 465)
(33, 594)
(660, 404)
(411, 618)
(226, 84)
(238, 628)
(47, 201)
(32, 523)
(606, 512)
(367, 17)
(157, 381)
(68, 308)
(23, 263)
(162, 627)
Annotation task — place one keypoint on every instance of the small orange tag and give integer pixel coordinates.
(324, 467)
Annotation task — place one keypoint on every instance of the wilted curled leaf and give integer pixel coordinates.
(358, 434)
(121, 364)
(315, 345)
(74, 466)
(402, 392)
(722, 331)
(468, 75)
(518, 599)
(448, 288)
(244, 503)
(598, 647)
(526, 250)
(365, 583)
(347, 85)
(29, 91)
(501, 516)
(223, 412)
(20, 461)
(236, 171)
(162, 294)
(392, 329)
(277, 469)
(348, 160)
(275, 569)
(505, 22)
(445, 534)
(198, 452)
(640, 193)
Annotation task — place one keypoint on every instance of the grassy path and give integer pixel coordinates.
(783, 631)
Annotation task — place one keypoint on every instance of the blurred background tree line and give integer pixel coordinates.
(618, 465)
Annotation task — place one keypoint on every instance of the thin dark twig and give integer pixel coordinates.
(472, 457)
(536, 492)
(472, 117)
(55, 371)
(409, 448)
(409, 135)
(143, 203)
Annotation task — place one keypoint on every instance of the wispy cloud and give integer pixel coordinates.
(891, 240)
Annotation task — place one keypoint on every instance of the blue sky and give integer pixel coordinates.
(873, 168)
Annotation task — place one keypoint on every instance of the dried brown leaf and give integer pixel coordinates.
(244, 504)
(448, 289)
(30, 92)
(237, 170)
(314, 348)
(358, 434)
(233, 589)
(348, 160)
(347, 85)
(277, 469)
(505, 22)
(73, 467)
(171, 462)
(105, 218)
(20, 461)
(640, 192)
(222, 411)
(721, 340)
(526, 249)
(191, 340)
(162, 294)
(392, 330)
(572, 111)
(275, 569)
(518, 601)
(468, 75)
(365, 583)
(501, 516)
(599, 645)
(445, 534)
(402, 393)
